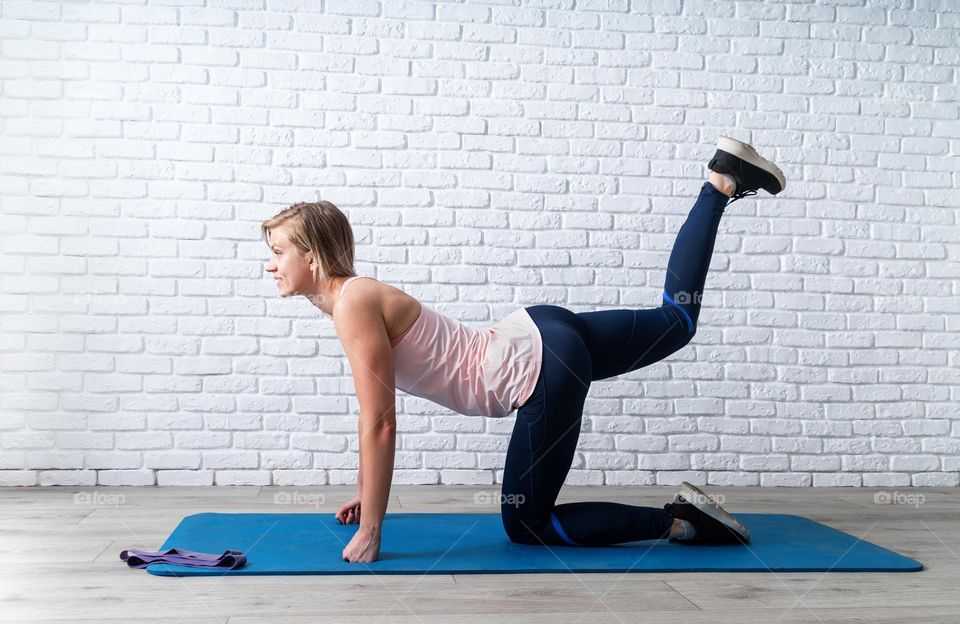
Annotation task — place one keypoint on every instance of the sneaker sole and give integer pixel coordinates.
(746, 152)
(696, 497)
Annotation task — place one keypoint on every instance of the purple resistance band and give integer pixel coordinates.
(229, 560)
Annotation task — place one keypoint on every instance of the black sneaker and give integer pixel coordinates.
(713, 523)
(749, 169)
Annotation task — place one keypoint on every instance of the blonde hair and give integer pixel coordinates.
(319, 228)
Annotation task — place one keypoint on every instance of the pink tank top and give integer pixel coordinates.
(488, 371)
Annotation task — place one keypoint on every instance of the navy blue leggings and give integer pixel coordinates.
(579, 348)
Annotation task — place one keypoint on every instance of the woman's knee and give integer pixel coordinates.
(518, 530)
(688, 335)
(681, 339)
(684, 326)
(523, 537)
(684, 309)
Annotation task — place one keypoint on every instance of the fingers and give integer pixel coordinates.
(348, 515)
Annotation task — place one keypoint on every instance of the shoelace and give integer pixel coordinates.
(741, 195)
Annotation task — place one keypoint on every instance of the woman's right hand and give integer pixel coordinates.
(349, 512)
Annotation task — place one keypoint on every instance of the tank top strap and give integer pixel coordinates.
(344, 285)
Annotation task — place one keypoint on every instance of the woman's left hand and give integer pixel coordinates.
(364, 547)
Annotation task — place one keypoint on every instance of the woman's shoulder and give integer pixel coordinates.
(398, 308)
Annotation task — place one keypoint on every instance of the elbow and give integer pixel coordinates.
(379, 438)
(383, 425)
(384, 430)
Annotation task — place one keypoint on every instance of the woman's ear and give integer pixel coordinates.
(315, 268)
(315, 272)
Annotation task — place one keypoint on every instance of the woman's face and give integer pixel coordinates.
(290, 270)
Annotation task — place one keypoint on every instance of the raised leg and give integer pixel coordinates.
(624, 340)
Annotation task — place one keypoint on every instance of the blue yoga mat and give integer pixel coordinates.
(461, 543)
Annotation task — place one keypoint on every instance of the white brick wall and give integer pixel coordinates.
(489, 157)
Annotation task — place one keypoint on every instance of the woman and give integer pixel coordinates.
(539, 360)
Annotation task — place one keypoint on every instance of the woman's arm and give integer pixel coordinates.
(361, 329)
(359, 460)
(379, 444)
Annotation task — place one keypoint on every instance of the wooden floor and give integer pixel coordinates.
(59, 562)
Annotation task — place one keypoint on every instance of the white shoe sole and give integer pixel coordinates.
(747, 153)
(693, 495)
